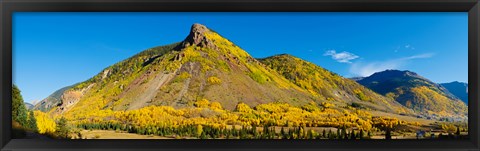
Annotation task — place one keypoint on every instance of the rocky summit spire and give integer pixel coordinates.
(197, 37)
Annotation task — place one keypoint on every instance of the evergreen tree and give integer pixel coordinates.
(388, 134)
(339, 133)
(310, 134)
(32, 122)
(290, 133)
(344, 133)
(19, 111)
(203, 136)
(300, 133)
(331, 135)
(62, 129)
(458, 131)
(272, 132)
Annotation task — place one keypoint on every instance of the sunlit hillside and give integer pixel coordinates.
(207, 87)
(418, 93)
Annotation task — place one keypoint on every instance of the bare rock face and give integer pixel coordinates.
(105, 74)
(70, 98)
(197, 37)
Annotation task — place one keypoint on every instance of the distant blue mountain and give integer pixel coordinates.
(28, 105)
(459, 89)
(415, 92)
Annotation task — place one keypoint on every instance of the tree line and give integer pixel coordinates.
(244, 132)
(25, 120)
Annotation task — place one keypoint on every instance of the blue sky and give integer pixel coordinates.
(54, 50)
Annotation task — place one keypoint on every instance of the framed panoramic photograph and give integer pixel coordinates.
(238, 75)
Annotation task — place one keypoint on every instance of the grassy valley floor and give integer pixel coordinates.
(110, 134)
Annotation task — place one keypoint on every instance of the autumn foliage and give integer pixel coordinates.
(209, 120)
(45, 123)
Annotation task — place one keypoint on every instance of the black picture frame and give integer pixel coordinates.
(8, 7)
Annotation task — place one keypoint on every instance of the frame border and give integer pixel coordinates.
(8, 7)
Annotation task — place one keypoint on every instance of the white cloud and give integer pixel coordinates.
(343, 57)
(408, 46)
(366, 69)
(420, 56)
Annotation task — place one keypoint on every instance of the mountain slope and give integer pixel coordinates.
(459, 89)
(51, 101)
(207, 66)
(28, 105)
(328, 85)
(416, 92)
(203, 66)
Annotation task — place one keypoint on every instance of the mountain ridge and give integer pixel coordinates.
(459, 89)
(184, 68)
(327, 83)
(416, 92)
(206, 65)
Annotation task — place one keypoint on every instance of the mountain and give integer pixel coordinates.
(51, 101)
(328, 85)
(207, 66)
(357, 78)
(416, 92)
(459, 89)
(203, 66)
(28, 105)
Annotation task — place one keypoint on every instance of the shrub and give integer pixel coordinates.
(182, 76)
(242, 107)
(356, 105)
(362, 96)
(216, 105)
(259, 77)
(202, 103)
(327, 105)
(214, 80)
